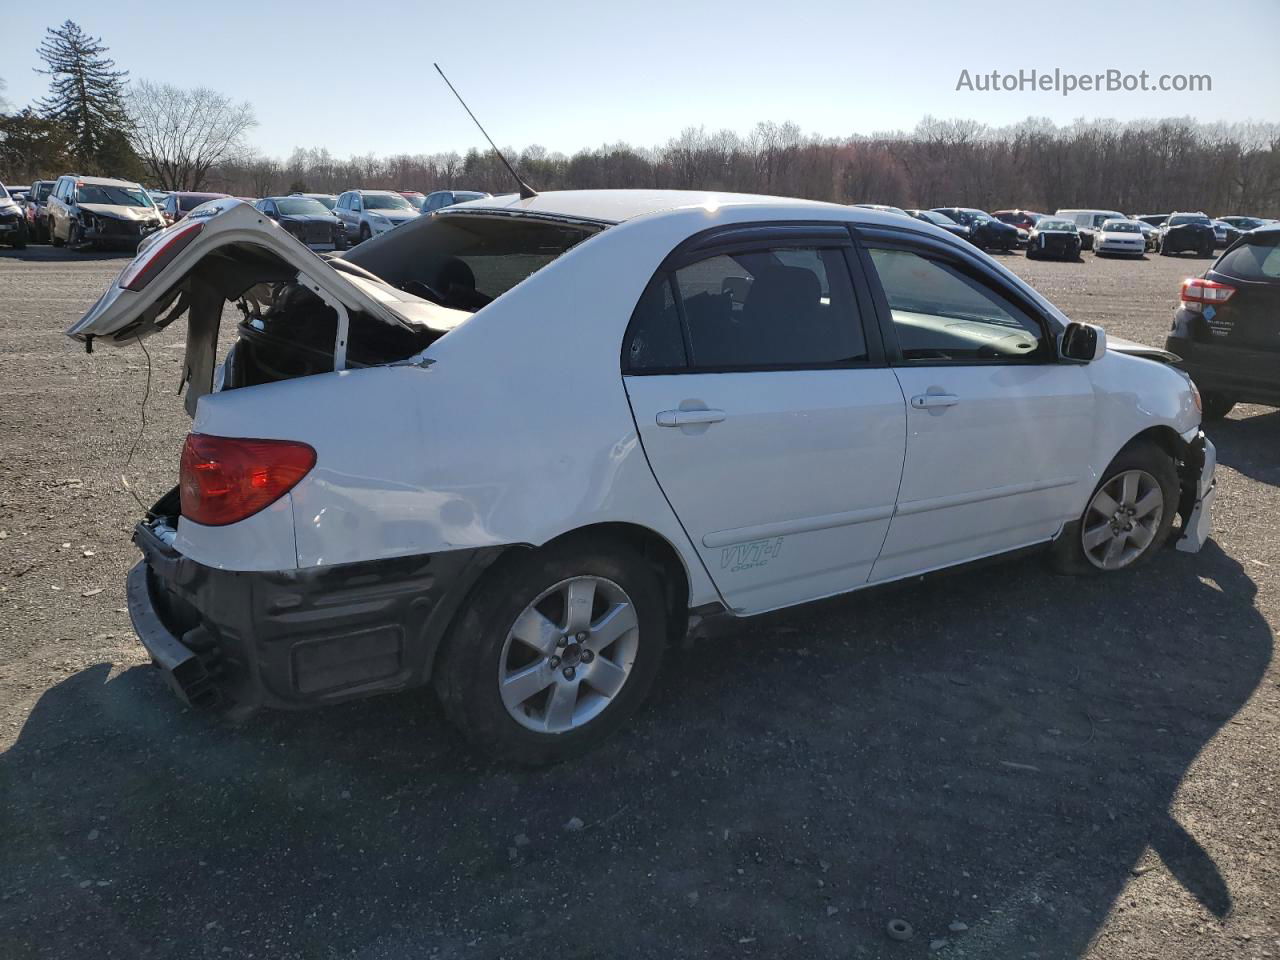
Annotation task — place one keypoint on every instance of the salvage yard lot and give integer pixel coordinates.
(1016, 764)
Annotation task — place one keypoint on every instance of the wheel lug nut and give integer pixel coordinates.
(569, 673)
(555, 662)
(581, 637)
(560, 642)
(587, 656)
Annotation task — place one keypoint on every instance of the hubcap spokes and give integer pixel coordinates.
(1122, 519)
(568, 654)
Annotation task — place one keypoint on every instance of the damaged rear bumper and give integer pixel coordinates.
(1199, 488)
(296, 638)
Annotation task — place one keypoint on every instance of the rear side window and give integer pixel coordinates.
(1251, 261)
(770, 308)
(655, 340)
(943, 314)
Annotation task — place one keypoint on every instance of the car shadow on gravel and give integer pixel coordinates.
(995, 750)
(1249, 442)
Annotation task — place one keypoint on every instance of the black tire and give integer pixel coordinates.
(1068, 556)
(1216, 405)
(74, 240)
(467, 668)
(53, 236)
(365, 233)
(20, 241)
(1030, 254)
(1165, 251)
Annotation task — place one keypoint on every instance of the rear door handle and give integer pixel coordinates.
(683, 418)
(923, 401)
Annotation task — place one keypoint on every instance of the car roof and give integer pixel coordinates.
(617, 206)
(107, 182)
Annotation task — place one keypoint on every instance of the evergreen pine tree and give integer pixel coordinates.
(86, 94)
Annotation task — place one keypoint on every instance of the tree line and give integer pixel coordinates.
(97, 121)
(1136, 167)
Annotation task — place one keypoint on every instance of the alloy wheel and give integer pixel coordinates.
(568, 655)
(1122, 519)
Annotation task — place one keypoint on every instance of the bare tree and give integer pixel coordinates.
(182, 134)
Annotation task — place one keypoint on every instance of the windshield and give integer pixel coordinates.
(386, 201)
(1066, 225)
(1251, 261)
(1185, 218)
(941, 219)
(117, 196)
(465, 261)
(462, 196)
(1118, 226)
(301, 206)
(189, 201)
(326, 201)
(43, 191)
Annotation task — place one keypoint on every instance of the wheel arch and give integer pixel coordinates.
(649, 544)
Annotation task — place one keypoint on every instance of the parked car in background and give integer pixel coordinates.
(1150, 234)
(1151, 219)
(1220, 231)
(1088, 222)
(1187, 231)
(158, 197)
(328, 199)
(415, 197)
(1239, 225)
(13, 221)
(1054, 238)
(307, 219)
(367, 213)
(985, 231)
(178, 204)
(1226, 328)
(941, 220)
(439, 199)
(1120, 238)
(88, 212)
(1020, 220)
(514, 496)
(36, 210)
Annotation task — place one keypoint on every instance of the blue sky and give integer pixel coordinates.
(357, 78)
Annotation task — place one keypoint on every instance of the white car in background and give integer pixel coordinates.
(1120, 238)
(516, 448)
(367, 213)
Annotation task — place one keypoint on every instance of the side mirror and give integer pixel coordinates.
(1083, 342)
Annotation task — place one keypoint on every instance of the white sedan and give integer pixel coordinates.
(1120, 237)
(516, 448)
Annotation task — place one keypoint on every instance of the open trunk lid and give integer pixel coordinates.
(136, 304)
(221, 252)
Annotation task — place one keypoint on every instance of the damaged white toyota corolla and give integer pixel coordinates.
(516, 447)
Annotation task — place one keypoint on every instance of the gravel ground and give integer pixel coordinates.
(1018, 765)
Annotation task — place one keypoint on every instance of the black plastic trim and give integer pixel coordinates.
(296, 638)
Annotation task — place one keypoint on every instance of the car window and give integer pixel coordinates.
(1251, 261)
(655, 340)
(770, 308)
(942, 313)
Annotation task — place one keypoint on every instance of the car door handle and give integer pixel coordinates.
(684, 418)
(923, 401)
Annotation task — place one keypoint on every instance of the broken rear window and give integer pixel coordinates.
(464, 261)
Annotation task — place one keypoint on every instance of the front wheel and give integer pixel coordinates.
(1128, 517)
(555, 650)
(365, 232)
(53, 234)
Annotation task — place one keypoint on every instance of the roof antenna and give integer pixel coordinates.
(526, 192)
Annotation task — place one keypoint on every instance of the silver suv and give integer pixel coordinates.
(367, 213)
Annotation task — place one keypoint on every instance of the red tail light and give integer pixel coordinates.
(159, 255)
(226, 479)
(1197, 290)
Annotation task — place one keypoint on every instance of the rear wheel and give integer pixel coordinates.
(556, 649)
(1128, 517)
(1216, 405)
